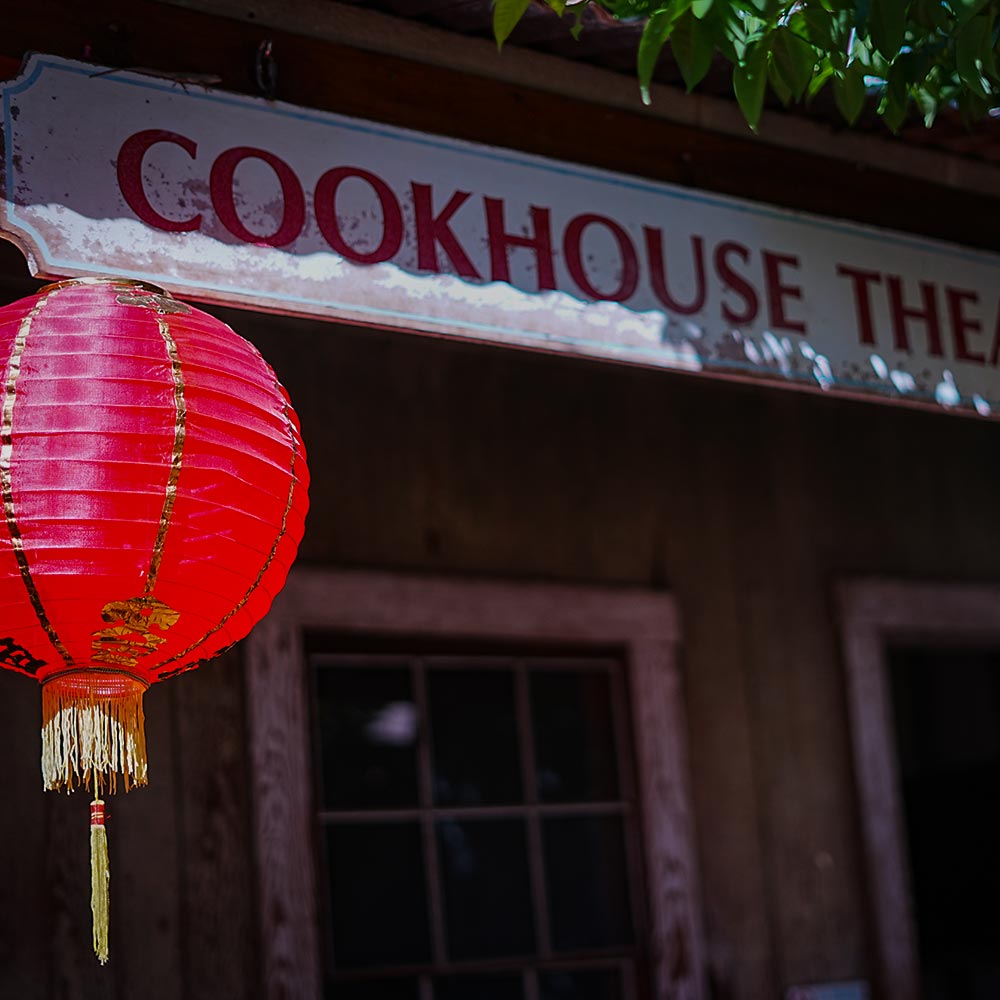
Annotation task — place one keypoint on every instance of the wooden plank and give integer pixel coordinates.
(73, 971)
(23, 924)
(661, 738)
(216, 854)
(147, 934)
(814, 876)
(712, 485)
(279, 729)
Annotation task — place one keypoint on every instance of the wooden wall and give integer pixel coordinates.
(461, 459)
(426, 455)
(745, 502)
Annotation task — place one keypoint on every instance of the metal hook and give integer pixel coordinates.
(266, 70)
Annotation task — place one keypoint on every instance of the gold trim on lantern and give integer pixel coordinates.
(6, 485)
(264, 568)
(180, 429)
(103, 280)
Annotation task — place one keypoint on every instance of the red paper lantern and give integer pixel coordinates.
(153, 482)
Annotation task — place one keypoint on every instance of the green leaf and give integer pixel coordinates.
(820, 25)
(749, 83)
(700, 8)
(967, 9)
(972, 43)
(578, 10)
(778, 85)
(928, 105)
(506, 14)
(887, 26)
(915, 65)
(692, 46)
(727, 29)
(894, 100)
(794, 60)
(972, 106)
(559, 6)
(818, 81)
(654, 37)
(849, 91)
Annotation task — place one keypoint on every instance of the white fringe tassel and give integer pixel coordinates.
(88, 738)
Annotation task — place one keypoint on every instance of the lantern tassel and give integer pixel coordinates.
(92, 730)
(100, 878)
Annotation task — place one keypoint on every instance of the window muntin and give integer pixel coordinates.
(515, 776)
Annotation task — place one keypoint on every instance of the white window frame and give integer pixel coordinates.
(645, 624)
(873, 613)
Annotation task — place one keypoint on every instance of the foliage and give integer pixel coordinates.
(933, 53)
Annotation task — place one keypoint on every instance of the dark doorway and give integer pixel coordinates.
(946, 703)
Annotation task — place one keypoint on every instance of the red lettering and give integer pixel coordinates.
(658, 273)
(778, 292)
(224, 201)
(736, 282)
(900, 313)
(325, 204)
(501, 240)
(860, 281)
(573, 252)
(962, 324)
(129, 165)
(433, 230)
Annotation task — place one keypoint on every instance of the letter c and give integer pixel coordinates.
(130, 158)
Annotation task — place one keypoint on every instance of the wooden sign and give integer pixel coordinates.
(236, 200)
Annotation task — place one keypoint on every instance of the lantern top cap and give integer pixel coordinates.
(101, 280)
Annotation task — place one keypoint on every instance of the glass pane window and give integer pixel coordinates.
(368, 738)
(475, 755)
(478, 824)
(573, 728)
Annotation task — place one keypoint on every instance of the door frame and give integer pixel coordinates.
(873, 612)
(645, 624)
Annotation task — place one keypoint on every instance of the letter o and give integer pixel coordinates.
(325, 205)
(572, 239)
(221, 185)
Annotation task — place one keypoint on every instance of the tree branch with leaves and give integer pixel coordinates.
(900, 54)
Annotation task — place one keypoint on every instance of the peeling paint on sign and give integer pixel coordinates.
(235, 200)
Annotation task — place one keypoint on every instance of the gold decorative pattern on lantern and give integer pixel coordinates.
(159, 302)
(6, 485)
(134, 630)
(180, 429)
(289, 427)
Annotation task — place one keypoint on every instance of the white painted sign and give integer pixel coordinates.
(231, 199)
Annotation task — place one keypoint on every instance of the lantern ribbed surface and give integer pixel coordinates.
(154, 490)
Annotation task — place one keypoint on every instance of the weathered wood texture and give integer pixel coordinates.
(873, 612)
(642, 623)
(746, 503)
